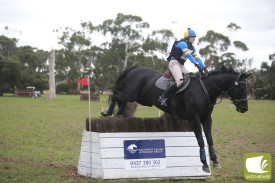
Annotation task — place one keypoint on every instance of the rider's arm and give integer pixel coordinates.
(183, 46)
(197, 58)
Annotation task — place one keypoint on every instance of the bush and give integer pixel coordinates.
(62, 89)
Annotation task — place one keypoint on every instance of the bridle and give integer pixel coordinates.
(236, 83)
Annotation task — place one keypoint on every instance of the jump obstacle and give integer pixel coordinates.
(140, 148)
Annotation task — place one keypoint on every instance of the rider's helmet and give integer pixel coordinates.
(189, 33)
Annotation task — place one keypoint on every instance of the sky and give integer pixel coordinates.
(33, 21)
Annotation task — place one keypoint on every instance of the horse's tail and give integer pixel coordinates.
(124, 74)
(119, 86)
(118, 94)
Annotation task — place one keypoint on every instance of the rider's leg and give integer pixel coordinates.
(171, 89)
(183, 69)
(167, 73)
(175, 69)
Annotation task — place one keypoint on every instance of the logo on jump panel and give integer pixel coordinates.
(132, 148)
(257, 166)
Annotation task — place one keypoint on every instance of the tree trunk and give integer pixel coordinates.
(126, 56)
(153, 60)
(79, 71)
(52, 76)
(251, 81)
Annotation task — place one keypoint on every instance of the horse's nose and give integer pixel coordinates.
(244, 109)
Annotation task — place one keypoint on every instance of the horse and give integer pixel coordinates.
(195, 103)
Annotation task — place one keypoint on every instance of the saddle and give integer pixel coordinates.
(163, 82)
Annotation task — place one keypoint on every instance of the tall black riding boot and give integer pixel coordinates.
(171, 89)
(109, 112)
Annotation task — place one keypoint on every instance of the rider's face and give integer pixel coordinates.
(191, 40)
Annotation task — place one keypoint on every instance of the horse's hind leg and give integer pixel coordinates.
(122, 105)
(110, 110)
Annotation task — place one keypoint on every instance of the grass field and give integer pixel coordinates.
(40, 138)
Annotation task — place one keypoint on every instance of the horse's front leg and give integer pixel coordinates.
(197, 130)
(207, 125)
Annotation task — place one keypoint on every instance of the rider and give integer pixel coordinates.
(181, 51)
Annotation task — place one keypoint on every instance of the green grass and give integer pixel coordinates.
(40, 138)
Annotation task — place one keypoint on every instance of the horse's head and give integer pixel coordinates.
(238, 93)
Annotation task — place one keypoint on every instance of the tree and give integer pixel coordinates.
(265, 84)
(240, 45)
(215, 43)
(157, 44)
(31, 65)
(74, 57)
(7, 46)
(252, 79)
(9, 73)
(122, 46)
(21, 66)
(127, 31)
(233, 27)
(218, 50)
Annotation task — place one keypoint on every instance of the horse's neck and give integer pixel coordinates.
(218, 83)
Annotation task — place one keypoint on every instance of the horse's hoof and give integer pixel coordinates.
(217, 165)
(104, 113)
(206, 169)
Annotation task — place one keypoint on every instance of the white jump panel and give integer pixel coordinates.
(102, 156)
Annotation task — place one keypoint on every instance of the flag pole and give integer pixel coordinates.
(90, 126)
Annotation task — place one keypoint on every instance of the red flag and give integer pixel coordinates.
(84, 81)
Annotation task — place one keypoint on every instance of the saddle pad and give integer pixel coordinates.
(163, 83)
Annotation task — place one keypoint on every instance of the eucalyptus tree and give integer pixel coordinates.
(126, 33)
(157, 44)
(218, 49)
(74, 57)
(215, 44)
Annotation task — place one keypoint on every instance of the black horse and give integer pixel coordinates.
(195, 103)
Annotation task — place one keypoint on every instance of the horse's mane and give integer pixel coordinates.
(221, 70)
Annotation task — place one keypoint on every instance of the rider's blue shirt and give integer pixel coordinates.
(190, 54)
